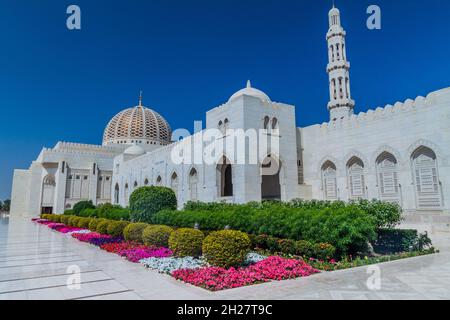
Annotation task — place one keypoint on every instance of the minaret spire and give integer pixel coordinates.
(341, 104)
(140, 99)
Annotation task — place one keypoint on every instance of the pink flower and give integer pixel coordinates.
(272, 268)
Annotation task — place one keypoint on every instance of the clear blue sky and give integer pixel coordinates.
(191, 55)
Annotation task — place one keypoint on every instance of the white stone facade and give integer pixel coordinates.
(398, 153)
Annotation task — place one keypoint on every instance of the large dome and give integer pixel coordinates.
(138, 125)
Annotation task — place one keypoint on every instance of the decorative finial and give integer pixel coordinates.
(249, 84)
(140, 99)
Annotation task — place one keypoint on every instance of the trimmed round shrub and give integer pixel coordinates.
(93, 224)
(82, 205)
(186, 242)
(133, 231)
(65, 219)
(73, 221)
(84, 223)
(226, 248)
(102, 227)
(145, 202)
(158, 236)
(115, 228)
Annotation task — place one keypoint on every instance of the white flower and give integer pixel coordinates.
(168, 265)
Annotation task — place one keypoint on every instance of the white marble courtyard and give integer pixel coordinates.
(34, 262)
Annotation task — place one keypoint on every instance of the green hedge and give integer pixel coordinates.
(347, 228)
(145, 202)
(226, 248)
(386, 214)
(80, 206)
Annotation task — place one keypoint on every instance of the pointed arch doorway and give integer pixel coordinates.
(270, 179)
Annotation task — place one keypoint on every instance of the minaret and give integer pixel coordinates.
(341, 104)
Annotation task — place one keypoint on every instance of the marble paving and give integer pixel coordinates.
(35, 263)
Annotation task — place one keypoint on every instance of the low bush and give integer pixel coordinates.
(145, 202)
(73, 221)
(115, 228)
(186, 242)
(133, 231)
(69, 212)
(84, 223)
(102, 226)
(157, 235)
(93, 224)
(323, 251)
(304, 248)
(65, 219)
(80, 206)
(390, 241)
(226, 248)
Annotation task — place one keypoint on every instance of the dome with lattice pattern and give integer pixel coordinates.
(138, 125)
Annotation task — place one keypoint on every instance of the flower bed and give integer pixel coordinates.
(272, 268)
(258, 268)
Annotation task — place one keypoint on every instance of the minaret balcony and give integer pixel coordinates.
(338, 103)
(341, 64)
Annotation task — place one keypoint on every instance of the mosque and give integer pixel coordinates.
(399, 153)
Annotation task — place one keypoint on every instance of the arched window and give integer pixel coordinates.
(116, 194)
(274, 123)
(146, 182)
(159, 181)
(266, 122)
(48, 193)
(426, 179)
(126, 194)
(270, 179)
(332, 53)
(387, 178)
(329, 181)
(337, 52)
(356, 183)
(333, 84)
(225, 178)
(135, 185)
(193, 184)
(341, 92)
